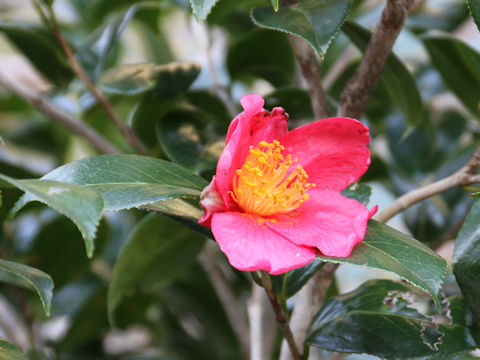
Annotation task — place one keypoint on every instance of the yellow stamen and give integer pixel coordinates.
(265, 185)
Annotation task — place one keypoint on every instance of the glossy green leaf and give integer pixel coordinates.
(183, 212)
(466, 260)
(127, 181)
(202, 8)
(380, 318)
(158, 250)
(458, 65)
(474, 8)
(30, 278)
(133, 79)
(395, 78)
(359, 192)
(387, 249)
(274, 63)
(82, 205)
(316, 21)
(41, 48)
(8, 351)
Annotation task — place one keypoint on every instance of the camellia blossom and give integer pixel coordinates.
(275, 200)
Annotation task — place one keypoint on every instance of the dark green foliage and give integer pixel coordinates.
(174, 71)
(381, 318)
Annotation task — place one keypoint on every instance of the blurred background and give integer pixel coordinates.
(188, 87)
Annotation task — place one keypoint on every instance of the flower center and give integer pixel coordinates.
(264, 186)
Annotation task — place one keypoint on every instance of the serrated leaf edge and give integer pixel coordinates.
(435, 300)
(89, 241)
(46, 306)
(206, 15)
(322, 49)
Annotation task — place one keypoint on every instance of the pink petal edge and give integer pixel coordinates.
(247, 129)
(327, 221)
(332, 151)
(250, 245)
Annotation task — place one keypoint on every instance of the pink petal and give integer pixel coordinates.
(251, 104)
(250, 245)
(332, 151)
(247, 129)
(328, 221)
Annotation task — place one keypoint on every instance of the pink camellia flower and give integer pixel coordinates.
(275, 200)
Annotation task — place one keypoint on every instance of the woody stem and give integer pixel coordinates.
(280, 316)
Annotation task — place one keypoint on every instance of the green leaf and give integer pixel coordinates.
(211, 104)
(41, 48)
(466, 260)
(201, 8)
(474, 8)
(299, 277)
(29, 278)
(274, 63)
(187, 139)
(380, 318)
(458, 65)
(293, 100)
(387, 249)
(316, 21)
(133, 79)
(158, 250)
(82, 205)
(395, 78)
(127, 181)
(359, 192)
(8, 351)
(183, 212)
(275, 4)
(175, 78)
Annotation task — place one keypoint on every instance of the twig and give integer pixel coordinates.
(307, 303)
(356, 93)
(55, 113)
(465, 176)
(280, 316)
(308, 64)
(228, 299)
(102, 100)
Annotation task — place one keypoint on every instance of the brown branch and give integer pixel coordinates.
(280, 316)
(356, 93)
(308, 64)
(102, 100)
(55, 113)
(465, 176)
(307, 303)
(227, 298)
